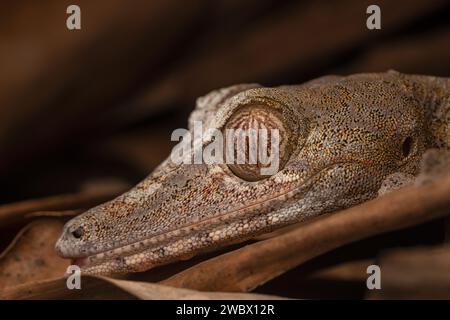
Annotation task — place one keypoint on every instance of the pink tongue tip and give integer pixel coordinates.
(81, 262)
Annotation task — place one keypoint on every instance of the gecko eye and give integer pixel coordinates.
(78, 233)
(256, 142)
(407, 146)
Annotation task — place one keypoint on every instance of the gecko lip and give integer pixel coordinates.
(161, 242)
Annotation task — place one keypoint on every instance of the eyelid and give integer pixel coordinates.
(257, 117)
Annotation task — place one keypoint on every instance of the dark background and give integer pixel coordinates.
(82, 109)
(99, 104)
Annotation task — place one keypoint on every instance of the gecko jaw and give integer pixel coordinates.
(183, 247)
(181, 242)
(177, 244)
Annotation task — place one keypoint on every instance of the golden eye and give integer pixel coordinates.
(256, 142)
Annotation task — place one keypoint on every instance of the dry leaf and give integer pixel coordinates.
(47, 214)
(151, 291)
(31, 256)
(347, 271)
(107, 288)
(415, 273)
(14, 212)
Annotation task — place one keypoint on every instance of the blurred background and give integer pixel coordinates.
(96, 106)
(99, 104)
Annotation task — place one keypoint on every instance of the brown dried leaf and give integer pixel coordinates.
(31, 256)
(14, 212)
(151, 291)
(347, 271)
(50, 213)
(107, 288)
(415, 273)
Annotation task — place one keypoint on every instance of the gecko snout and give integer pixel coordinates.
(71, 241)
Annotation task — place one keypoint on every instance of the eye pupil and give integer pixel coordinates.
(407, 146)
(78, 233)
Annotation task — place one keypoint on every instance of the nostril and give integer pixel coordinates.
(407, 146)
(78, 232)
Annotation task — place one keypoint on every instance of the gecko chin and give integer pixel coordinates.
(299, 202)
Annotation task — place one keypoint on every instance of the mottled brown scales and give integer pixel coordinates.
(345, 136)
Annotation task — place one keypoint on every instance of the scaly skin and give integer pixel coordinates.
(341, 136)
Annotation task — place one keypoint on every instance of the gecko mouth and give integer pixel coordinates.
(231, 227)
(81, 262)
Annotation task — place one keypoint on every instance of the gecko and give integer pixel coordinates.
(341, 137)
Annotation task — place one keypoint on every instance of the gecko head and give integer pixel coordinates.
(336, 143)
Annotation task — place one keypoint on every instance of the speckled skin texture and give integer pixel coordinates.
(343, 135)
